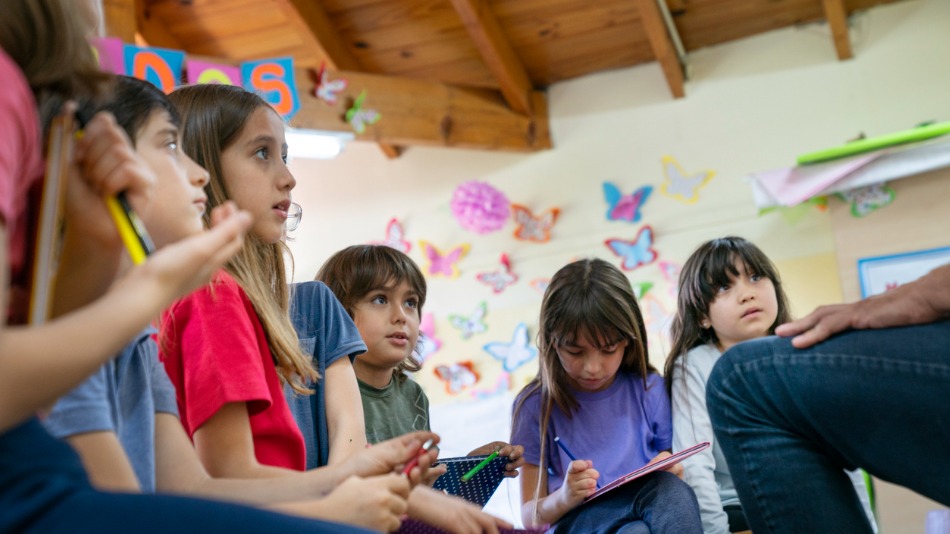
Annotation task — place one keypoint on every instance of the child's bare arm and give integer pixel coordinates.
(344, 411)
(39, 364)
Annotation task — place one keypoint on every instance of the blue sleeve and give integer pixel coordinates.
(84, 409)
(318, 315)
(163, 391)
(662, 418)
(326, 333)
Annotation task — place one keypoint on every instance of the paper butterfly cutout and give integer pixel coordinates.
(515, 353)
(634, 253)
(394, 237)
(473, 324)
(531, 227)
(502, 385)
(865, 200)
(358, 117)
(499, 280)
(540, 284)
(428, 344)
(681, 186)
(671, 273)
(622, 207)
(457, 376)
(439, 264)
(324, 88)
(640, 289)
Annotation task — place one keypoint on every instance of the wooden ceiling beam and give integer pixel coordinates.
(497, 52)
(317, 24)
(662, 45)
(837, 17)
(119, 18)
(417, 112)
(154, 32)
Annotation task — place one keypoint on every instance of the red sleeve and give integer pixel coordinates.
(219, 353)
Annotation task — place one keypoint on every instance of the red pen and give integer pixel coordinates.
(426, 447)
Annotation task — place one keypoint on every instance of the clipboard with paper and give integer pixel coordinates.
(656, 466)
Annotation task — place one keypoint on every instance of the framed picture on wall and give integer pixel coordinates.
(880, 273)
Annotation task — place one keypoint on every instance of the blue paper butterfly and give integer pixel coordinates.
(634, 253)
(515, 353)
(622, 207)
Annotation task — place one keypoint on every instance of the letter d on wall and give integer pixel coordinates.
(160, 66)
(273, 79)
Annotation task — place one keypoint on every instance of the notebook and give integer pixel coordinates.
(656, 466)
(481, 486)
(50, 218)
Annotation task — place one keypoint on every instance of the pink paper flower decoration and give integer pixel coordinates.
(479, 207)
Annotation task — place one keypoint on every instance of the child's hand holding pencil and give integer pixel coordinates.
(411, 454)
(108, 169)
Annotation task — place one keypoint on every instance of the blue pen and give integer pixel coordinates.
(569, 453)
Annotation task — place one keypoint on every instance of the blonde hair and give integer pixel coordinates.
(212, 117)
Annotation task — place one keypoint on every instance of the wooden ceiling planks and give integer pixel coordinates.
(497, 53)
(704, 23)
(507, 48)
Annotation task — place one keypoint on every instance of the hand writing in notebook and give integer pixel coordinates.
(580, 482)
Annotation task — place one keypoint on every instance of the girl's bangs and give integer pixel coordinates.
(586, 318)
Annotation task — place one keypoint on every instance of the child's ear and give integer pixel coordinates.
(704, 323)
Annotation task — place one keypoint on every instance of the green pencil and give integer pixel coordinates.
(468, 476)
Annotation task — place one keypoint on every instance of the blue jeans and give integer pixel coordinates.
(789, 421)
(656, 503)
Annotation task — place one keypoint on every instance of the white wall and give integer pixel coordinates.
(751, 105)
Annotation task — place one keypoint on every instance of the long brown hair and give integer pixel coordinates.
(587, 296)
(357, 271)
(212, 118)
(47, 40)
(711, 266)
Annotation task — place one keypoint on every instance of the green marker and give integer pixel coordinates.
(468, 476)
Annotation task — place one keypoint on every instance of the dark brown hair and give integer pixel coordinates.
(357, 271)
(591, 297)
(711, 266)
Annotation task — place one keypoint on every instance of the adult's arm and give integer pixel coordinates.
(924, 300)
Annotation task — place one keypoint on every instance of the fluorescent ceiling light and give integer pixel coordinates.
(315, 144)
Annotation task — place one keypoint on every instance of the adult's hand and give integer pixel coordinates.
(922, 301)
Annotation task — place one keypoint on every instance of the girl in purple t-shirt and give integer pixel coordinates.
(597, 393)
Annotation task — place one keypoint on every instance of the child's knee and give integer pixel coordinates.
(672, 487)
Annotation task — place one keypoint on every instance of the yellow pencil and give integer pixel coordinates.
(131, 230)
